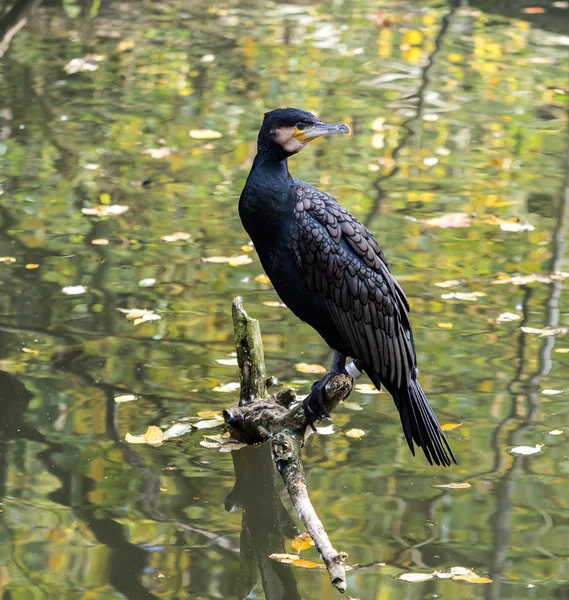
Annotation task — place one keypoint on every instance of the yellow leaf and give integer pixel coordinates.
(562, 350)
(242, 259)
(306, 368)
(125, 45)
(154, 436)
(30, 351)
(105, 198)
(472, 578)
(205, 134)
(100, 242)
(413, 38)
(355, 433)
(453, 486)
(302, 542)
(449, 426)
(208, 414)
(32, 266)
(445, 325)
(262, 278)
(307, 564)
(125, 398)
(366, 388)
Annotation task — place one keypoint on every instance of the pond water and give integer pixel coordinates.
(155, 106)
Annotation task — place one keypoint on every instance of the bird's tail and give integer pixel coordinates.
(420, 425)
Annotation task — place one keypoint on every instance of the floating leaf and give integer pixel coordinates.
(306, 368)
(179, 236)
(100, 242)
(162, 152)
(302, 542)
(206, 414)
(104, 210)
(125, 45)
(449, 220)
(125, 398)
(533, 10)
(262, 278)
(228, 362)
(216, 259)
(562, 350)
(526, 450)
(140, 315)
(448, 283)
(307, 564)
(366, 388)
(353, 405)
(329, 430)
(415, 577)
(228, 387)
(286, 559)
(531, 330)
(355, 433)
(87, 63)
(505, 317)
(205, 134)
(453, 486)
(450, 426)
(274, 304)
(32, 266)
(242, 259)
(74, 290)
(472, 296)
(153, 436)
(148, 282)
(30, 351)
(445, 325)
(177, 430)
(472, 578)
(208, 424)
(551, 392)
(516, 227)
(461, 574)
(556, 432)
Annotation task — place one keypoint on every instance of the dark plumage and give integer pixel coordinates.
(330, 271)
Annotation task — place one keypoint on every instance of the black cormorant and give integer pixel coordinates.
(330, 271)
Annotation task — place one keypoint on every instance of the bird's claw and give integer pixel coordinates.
(314, 407)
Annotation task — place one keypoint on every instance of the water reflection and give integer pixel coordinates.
(453, 110)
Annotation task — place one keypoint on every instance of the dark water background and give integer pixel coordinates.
(453, 109)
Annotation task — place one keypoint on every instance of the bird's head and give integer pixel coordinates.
(286, 131)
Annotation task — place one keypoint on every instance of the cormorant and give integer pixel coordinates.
(330, 271)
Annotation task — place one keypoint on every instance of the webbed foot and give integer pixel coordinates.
(314, 407)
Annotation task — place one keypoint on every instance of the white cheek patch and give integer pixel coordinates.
(284, 136)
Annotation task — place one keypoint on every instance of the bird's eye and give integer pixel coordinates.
(300, 126)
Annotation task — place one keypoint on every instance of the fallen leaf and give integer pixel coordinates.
(125, 45)
(526, 450)
(162, 152)
(179, 236)
(307, 564)
(472, 578)
(74, 290)
(177, 430)
(231, 447)
(148, 282)
(353, 405)
(531, 330)
(209, 413)
(562, 350)
(366, 388)
(450, 426)
(472, 296)
(208, 424)
(556, 432)
(506, 317)
(100, 242)
(153, 436)
(355, 433)
(262, 278)
(286, 559)
(448, 283)
(306, 368)
(329, 430)
(205, 134)
(549, 392)
(209, 445)
(302, 542)
(125, 398)
(274, 304)
(87, 63)
(449, 220)
(445, 325)
(228, 362)
(30, 351)
(32, 266)
(415, 577)
(7, 260)
(516, 227)
(140, 315)
(534, 10)
(242, 259)
(228, 387)
(453, 486)
(216, 259)
(105, 210)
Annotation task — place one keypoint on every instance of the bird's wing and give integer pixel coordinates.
(342, 261)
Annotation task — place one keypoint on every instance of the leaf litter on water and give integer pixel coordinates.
(153, 437)
(454, 573)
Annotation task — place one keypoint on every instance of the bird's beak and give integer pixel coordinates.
(320, 129)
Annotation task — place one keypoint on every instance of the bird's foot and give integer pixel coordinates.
(314, 407)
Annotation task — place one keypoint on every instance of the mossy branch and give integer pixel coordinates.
(280, 418)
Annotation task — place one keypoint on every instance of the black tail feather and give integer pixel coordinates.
(420, 425)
